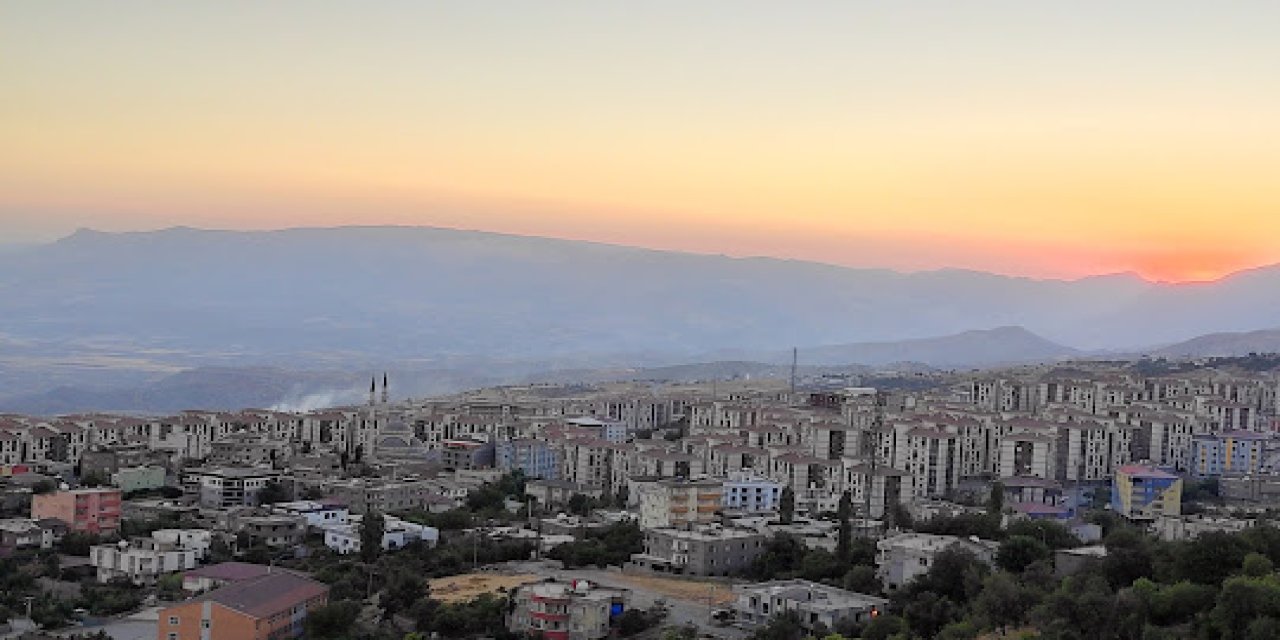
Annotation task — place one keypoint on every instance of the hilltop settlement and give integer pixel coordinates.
(1080, 499)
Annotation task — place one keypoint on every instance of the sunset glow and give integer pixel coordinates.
(1021, 138)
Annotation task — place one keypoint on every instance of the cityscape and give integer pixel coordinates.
(564, 320)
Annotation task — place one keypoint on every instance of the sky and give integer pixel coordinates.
(1047, 139)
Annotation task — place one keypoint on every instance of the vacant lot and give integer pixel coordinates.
(677, 588)
(467, 586)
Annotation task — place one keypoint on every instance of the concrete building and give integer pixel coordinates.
(744, 491)
(902, 558)
(130, 479)
(817, 606)
(384, 496)
(274, 530)
(22, 533)
(466, 454)
(1174, 528)
(703, 551)
(577, 610)
(680, 503)
(318, 514)
(1140, 492)
(272, 606)
(397, 533)
(140, 560)
(197, 540)
(535, 458)
(82, 510)
(1232, 453)
(226, 487)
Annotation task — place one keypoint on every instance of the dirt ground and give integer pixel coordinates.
(470, 585)
(680, 589)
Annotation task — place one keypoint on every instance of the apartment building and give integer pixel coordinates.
(1233, 453)
(577, 610)
(535, 458)
(680, 503)
(94, 511)
(817, 606)
(271, 606)
(227, 487)
(140, 560)
(745, 491)
(906, 556)
(1140, 492)
(709, 550)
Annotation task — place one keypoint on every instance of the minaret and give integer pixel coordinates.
(373, 388)
(385, 393)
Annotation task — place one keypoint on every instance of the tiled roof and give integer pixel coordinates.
(267, 595)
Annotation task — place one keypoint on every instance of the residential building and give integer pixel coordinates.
(1231, 453)
(345, 538)
(94, 510)
(577, 610)
(22, 533)
(680, 503)
(198, 540)
(1140, 492)
(535, 458)
(317, 513)
(817, 606)
(271, 606)
(464, 453)
(702, 551)
(130, 479)
(751, 493)
(140, 560)
(906, 556)
(226, 487)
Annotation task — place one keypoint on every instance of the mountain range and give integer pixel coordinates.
(102, 311)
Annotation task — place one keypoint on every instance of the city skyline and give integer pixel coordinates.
(1040, 141)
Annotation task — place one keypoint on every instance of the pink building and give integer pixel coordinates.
(83, 510)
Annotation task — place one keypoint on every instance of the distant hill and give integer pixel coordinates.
(978, 348)
(97, 307)
(1227, 344)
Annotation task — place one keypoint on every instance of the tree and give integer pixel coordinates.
(1005, 603)
(844, 544)
(783, 626)
(372, 529)
(787, 505)
(1257, 565)
(332, 620)
(273, 492)
(1019, 552)
(995, 500)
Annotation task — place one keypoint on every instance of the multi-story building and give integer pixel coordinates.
(82, 510)
(140, 560)
(1231, 453)
(396, 533)
(817, 606)
(318, 514)
(902, 558)
(21, 533)
(578, 610)
(535, 458)
(130, 479)
(703, 551)
(275, 530)
(226, 487)
(383, 496)
(466, 454)
(1140, 492)
(271, 606)
(680, 503)
(745, 491)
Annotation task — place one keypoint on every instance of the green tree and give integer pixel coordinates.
(1018, 552)
(332, 621)
(273, 492)
(995, 500)
(844, 544)
(1256, 565)
(787, 505)
(1003, 602)
(372, 529)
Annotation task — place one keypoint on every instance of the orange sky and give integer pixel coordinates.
(1033, 140)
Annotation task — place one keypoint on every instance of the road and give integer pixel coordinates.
(680, 611)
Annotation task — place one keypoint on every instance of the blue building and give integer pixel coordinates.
(535, 458)
(1231, 453)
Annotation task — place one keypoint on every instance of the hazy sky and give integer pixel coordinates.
(1039, 138)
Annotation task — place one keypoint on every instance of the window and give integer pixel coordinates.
(173, 620)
